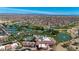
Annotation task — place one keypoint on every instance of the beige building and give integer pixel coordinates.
(73, 32)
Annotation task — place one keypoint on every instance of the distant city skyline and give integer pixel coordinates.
(41, 10)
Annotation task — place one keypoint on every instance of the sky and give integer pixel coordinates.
(40, 10)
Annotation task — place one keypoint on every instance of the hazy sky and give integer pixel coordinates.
(41, 10)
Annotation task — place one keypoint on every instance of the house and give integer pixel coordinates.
(14, 46)
(39, 43)
(75, 41)
(8, 47)
(44, 46)
(50, 43)
(49, 40)
(2, 48)
(73, 32)
(28, 44)
(73, 48)
(45, 43)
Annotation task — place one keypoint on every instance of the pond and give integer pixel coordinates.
(63, 37)
(11, 29)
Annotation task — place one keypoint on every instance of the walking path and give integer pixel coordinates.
(60, 48)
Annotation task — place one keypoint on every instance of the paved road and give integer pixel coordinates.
(4, 29)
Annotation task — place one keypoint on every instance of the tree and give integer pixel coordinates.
(20, 37)
(11, 38)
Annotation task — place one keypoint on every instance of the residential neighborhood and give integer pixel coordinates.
(39, 33)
